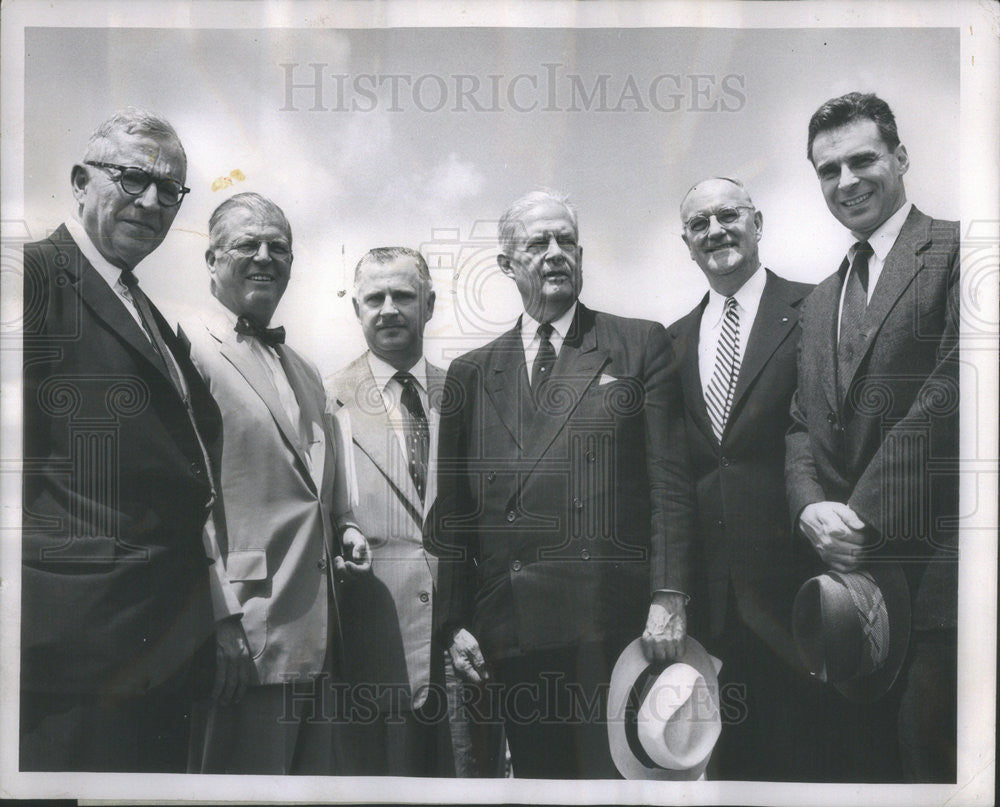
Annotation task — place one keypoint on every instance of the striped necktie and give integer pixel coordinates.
(719, 395)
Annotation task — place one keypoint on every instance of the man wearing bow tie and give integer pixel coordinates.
(281, 534)
(872, 455)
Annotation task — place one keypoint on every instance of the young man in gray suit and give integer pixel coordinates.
(872, 455)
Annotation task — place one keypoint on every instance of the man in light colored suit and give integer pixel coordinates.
(282, 526)
(388, 404)
(872, 455)
(553, 503)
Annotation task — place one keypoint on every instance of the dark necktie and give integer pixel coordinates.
(152, 330)
(416, 432)
(269, 336)
(166, 358)
(852, 314)
(545, 358)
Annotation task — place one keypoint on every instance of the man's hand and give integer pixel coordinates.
(666, 627)
(232, 661)
(836, 533)
(359, 558)
(468, 658)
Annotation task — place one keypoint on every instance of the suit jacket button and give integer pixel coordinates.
(591, 456)
(578, 504)
(511, 515)
(831, 417)
(585, 554)
(321, 564)
(720, 523)
(424, 596)
(196, 468)
(724, 462)
(516, 565)
(491, 476)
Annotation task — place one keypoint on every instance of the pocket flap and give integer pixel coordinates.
(247, 564)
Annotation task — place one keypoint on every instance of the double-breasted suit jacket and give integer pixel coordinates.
(275, 528)
(890, 448)
(551, 522)
(115, 596)
(388, 617)
(743, 540)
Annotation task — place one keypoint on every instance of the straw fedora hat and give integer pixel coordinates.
(663, 720)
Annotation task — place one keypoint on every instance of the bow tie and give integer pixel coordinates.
(269, 336)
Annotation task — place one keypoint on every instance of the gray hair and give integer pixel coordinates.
(384, 255)
(730, 180)
(509, 227)
(255, 203)
(131, 120)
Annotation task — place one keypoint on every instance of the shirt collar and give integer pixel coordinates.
(111, 273)
(747, 296)
(561, 326)
(383, 372)
(885, 236)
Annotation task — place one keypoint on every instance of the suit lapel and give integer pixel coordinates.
(238, 354)
(575, 369)
(902, 264)
(687, 345)
(506, 380)
(776, 317)
(98, 296)
(305, 395)
(373, 433)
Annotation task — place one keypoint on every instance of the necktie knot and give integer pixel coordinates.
(269, 336)
(128, 279)
(862, 252)
(545, 330)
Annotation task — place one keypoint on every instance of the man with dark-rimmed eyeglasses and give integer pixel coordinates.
(116, 614)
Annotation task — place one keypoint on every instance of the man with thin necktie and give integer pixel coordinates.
(735, 354)
(872, 454)
(281, 534)
(553, 511)
(116, 618)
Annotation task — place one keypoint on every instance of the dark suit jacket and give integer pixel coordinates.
(743, 536)
(890, 449)
(551, 525)
(115, 578)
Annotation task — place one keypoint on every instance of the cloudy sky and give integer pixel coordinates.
(421, 137)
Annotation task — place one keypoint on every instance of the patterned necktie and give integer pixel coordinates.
(416, 432)
(852, 314)
(719, 395)
(545, 358)
(269, 336)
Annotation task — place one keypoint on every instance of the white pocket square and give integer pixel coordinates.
(605, 379)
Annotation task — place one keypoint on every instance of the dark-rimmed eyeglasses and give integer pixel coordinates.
(724, 215)
(134, 181)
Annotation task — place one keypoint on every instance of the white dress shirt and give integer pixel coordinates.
(881, 241)
(747, 303)
(531, 340)
(112, 275)
(270, 361)
(391, 390)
